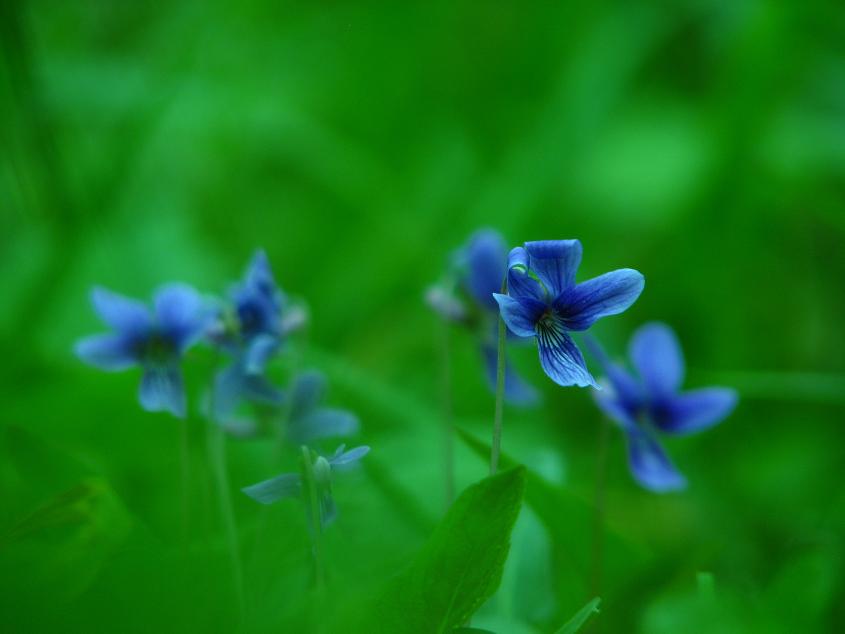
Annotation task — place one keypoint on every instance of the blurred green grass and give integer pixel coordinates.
(702, 143)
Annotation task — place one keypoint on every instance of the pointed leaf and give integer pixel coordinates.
(577, 621)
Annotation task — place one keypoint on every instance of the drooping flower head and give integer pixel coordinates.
(543, 301)
(289, 485)
(465, 297)
(651, 403)
(154, 340)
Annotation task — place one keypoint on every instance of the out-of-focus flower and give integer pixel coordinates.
(543, 301)
(290, 485)
(652, 403)
(154, 340)
(465, 297)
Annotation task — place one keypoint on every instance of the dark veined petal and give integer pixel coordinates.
(650, 465)
(657, 356)
(307, 392)
(259, 351)
(694, 410)
(107, 352)
(520, 314)
(323, 423)
(286, 485)
(124, 314)
(555, 262)
(609, 294)
(485, 258)
(520, 282)
(162, 390)
(517, 391)
(181, 315)
(341, 457)
(560, 357)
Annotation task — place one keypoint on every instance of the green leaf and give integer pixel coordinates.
(460, 566)
(577, 621)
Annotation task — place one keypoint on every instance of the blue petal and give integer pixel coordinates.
(162, 390)
(286, 485)
(555, 262)
(520, 282)
(517, 391)
(614, 408)
(609, 294)
(232, 385)
(695, 410)
(122, 313)
(486, 262)
(323, 423)
(520, 314)
(650, 465)
(624, 389)
(341, 457)
(657, 356)
(259, 351)
(180, 314)
(560, 357)
(259, 275)
(107, 352)
(308, 391)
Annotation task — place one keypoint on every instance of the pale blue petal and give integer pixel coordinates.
(261, 348)
(124, 314)
(695, 410)
(555, 262)
(657, 356)
(614, 408)
(286, 485)
(181, 315)
(517, 391)
(520, 282)
(307, 392)
(323, 423)
(486, 262)
(560, 357)
(162, 390)
(623, 387)
(520, 315)
(342, 458)
(650, 465)
(107, 352)
(609, 294)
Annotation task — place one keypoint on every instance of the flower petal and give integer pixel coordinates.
(609, 294)
(695, 410)
(162, 390)
(180, 314)
(517, 391)
(485, 259)
(520, 314)
(122, 313)
(657, 356)
(614, 408)
(650, 465)
(107, 352)
(323, 423)
(286, 485)
(307, 392)
(342, 458)
(520, 282)
(259, 351)
(232, 385)
(560, 357)
(555, 262)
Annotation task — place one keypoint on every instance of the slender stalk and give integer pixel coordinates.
(185, 460)
(448, 430)
(597, 557)
(316, 523)
(217, 453)
(496, 445)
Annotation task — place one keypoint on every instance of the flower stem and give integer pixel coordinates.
(448, 431)
(314, 509)
(597, 558)
(217, 453)
(496, 445)
(185, 460)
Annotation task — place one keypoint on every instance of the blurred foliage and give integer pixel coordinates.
(699, 141)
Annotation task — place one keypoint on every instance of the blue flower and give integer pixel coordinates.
(651, 403)
(154, 340)
(476, 273)
(543, 301)
(289, 485)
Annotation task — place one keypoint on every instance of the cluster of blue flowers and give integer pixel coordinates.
(535, 293)
(249, 326)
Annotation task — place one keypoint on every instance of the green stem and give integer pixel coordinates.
(597, 558)
(217, 453)
(496, 445)
(314, 509)
(448, 430)
(185, 459)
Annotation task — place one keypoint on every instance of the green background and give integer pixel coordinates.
(700, 142)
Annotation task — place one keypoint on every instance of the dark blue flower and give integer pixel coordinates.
(289, 485)
(543, 301)
(154, 340)
(476, 273)
(652, 403)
